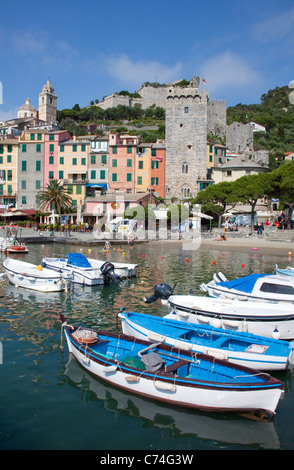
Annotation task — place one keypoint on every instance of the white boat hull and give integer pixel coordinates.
(267, 288)
(257, 361)
(83, 276)
(28, 276)
(202, 397)
(259, 318)
(89, 276)
(123, 270)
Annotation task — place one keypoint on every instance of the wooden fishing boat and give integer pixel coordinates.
(172, 375)
(30, 276)
(244, 349)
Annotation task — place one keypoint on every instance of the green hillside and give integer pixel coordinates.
(275, 113)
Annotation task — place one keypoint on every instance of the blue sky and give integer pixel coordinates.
(90, 49)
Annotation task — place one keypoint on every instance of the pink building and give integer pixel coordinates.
(51, 145)
(122, 161)
(114, 205)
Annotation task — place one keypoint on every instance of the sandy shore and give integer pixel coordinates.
(262, 244)
(246, 245)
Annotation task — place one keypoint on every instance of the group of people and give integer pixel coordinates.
(131, 239)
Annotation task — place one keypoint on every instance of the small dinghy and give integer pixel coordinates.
(82, 271)
(172, 375)
(30, 276)
(288, 271)
(266, 287)
(244, 349)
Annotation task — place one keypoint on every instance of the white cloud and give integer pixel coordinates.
(227, 70)
(28, 43)
(44, 51)
(7, 115)
(136, 73)
(277, 27)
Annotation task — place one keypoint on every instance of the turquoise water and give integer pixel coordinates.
(49, 402)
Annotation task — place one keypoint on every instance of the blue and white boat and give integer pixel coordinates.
(82, 270)
(244, 349)
(88, 271)
(172, 375)
(269, 319)
(266, 287)
(288, 271)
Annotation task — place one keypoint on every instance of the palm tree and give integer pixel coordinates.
(55, 197)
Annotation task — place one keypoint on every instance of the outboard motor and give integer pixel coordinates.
(161, 291)
(107, 270)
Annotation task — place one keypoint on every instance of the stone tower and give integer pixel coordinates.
(48, 104)
(186, 139)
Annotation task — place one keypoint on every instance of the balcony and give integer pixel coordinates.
(75, 181)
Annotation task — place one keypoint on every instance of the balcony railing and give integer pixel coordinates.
(75, 181)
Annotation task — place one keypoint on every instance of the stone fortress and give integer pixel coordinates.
(191, 116)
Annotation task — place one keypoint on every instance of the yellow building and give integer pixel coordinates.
(216, 154)
(143, 168)
(8, 172)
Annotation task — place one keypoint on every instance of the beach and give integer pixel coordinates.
(272, 241)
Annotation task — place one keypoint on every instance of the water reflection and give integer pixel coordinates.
(179, 422)
(30, 324)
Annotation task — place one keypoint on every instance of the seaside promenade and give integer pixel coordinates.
(271, 241)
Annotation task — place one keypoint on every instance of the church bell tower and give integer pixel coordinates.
(48, 104)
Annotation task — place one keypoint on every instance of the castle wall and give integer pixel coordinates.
(239, 138)
(217, 117)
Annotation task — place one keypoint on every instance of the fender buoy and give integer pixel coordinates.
(85, 336)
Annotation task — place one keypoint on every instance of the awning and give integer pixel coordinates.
(13, 214)
(96, 185)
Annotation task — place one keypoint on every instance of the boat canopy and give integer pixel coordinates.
(78, 260)
(244, 284)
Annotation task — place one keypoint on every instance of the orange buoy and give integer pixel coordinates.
(242, 265)
(214, 262)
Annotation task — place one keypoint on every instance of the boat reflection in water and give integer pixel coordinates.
(223, 428)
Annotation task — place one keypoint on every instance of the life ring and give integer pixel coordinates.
(86, 336)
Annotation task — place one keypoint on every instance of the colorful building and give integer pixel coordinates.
(73, 168)
(122, 159)
(30, 168)
(51, 155)
(8, 172)
(143, 168)
(157, 182)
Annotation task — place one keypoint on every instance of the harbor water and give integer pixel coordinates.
(48, 402)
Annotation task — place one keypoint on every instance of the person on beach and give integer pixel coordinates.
(131, 238)
(107, 245)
